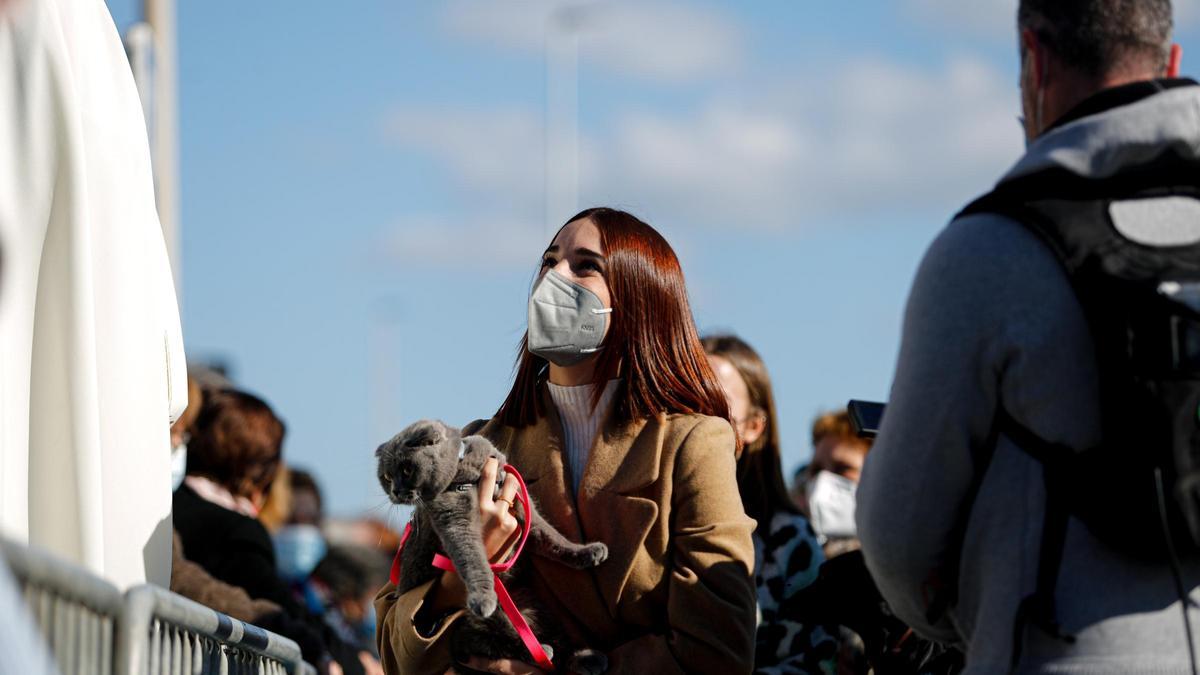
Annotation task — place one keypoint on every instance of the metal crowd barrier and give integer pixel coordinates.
(162, 633)
(92, 629)
(76, 611)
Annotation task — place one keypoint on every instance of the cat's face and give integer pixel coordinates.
(419, 462)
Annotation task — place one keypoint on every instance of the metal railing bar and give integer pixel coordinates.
(36, 567)
(181, 612)
(93, 629)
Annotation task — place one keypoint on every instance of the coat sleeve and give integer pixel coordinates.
(250, 565)
(192, 581)
(401, 648)
(941, 405)
(711, 601)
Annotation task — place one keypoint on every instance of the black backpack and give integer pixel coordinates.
(1139, 490)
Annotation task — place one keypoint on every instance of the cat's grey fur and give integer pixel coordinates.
(420, 466)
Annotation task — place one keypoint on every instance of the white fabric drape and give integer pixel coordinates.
(91, 355)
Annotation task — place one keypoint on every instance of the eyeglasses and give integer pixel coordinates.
(756, 415)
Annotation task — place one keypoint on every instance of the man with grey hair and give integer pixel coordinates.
(1001, 379)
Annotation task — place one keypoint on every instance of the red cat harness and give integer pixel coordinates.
(506, 602)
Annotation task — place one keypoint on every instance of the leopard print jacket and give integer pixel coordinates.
(787, 557)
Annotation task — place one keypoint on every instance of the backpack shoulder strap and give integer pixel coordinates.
(1018, 202)
(1038, 609)
(1056, 224)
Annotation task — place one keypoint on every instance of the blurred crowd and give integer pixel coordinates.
(252, 538)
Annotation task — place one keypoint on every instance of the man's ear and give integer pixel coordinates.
(1174, 60)
(1036, 53)
(755, 427)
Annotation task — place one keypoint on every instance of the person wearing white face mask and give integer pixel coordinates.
(623, 435)
(831, 482)
(181, 432)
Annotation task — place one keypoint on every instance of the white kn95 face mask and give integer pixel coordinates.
(831, 504)
(566, 320)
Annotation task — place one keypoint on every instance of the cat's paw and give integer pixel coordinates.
(593, 554)
(482, 604)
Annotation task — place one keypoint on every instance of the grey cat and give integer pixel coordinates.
(433, 467)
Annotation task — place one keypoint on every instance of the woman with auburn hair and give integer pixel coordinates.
(786, 552)
(622, 432)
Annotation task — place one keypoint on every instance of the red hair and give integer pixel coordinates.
(652, 343)
(237, 441)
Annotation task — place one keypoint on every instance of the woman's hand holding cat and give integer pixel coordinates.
(499, 524)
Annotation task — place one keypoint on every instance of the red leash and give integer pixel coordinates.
(506, 602)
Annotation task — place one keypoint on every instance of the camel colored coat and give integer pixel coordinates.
(676, 594)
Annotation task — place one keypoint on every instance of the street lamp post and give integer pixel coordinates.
(164, 130)
(562, 112)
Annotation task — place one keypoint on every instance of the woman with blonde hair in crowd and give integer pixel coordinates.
(623, 434)
(278, 503)
(786, 553)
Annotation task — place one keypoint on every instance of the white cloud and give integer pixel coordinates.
(497, 151)
(994, 18)
(663, 41)
(496, 159)
(478, 242)
(875, 138)
(868, 139)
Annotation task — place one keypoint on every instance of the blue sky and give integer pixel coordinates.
(364, 185)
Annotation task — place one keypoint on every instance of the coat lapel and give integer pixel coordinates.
(613, 506)
(537, 453)
(624, 458)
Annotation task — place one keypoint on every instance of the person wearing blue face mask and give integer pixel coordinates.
(299, 544)
(298, 549)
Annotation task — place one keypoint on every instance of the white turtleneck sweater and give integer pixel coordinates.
(580, 422)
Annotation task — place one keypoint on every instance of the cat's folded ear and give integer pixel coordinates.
(423, 433)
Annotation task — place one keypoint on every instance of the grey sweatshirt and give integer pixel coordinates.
(991, 319)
